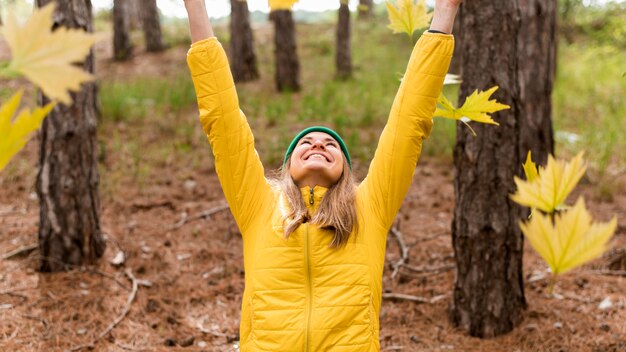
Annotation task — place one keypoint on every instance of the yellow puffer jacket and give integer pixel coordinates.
(299, 294)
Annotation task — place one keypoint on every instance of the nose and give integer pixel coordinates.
(318, 144)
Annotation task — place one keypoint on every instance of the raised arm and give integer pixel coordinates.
(410, 120)
(237, 163)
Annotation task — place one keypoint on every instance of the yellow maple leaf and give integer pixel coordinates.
(553, 184)
(408, 16)
(530, 168)
(572, 240)
(45, 57)
(281, 4)
(13, 136)
(477, 107)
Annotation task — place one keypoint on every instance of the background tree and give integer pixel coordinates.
(366, 8)
(133, 7)
(343, 57)
(537, 68)
(67, 181)
(242, 58)
(488, 297)
(152, 26)
(122, 46)
(287, 61)
(456, 64)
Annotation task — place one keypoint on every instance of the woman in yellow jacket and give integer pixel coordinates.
(314, 240)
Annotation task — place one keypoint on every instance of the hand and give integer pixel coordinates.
(445, 12)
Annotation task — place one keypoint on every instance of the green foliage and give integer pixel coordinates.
(601, 23)
(144, 97)
(589, 110)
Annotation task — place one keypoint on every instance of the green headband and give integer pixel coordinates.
(326, 130)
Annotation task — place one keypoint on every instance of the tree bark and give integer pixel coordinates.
(242, 58)
(343, 57)
(152, 26)
(122, 46)
(537, 45)
(488, 297)
(287, 61)
(366, 8)
(134, 14)
(67, 181)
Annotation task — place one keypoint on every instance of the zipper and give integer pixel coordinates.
(309, 288)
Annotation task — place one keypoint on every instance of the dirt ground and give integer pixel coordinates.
(191, 278)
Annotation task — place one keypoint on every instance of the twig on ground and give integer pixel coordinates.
(129, 302)
(13, 211)
(103, 274)
(44, 322)
(609, 272)
(202, 329)
(151, 205)
(84, 269)
(416, 299)
(426, 239)
(404, 251)
(125, 347)
(25, 250)
(13, 291)
(205, 214)
(433, 270)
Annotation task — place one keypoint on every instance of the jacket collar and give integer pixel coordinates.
(312, 197)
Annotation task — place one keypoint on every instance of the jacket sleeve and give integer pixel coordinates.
(410, 122)
(237, 163)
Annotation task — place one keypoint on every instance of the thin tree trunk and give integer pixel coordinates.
(537, 67)
(67, 181)
(134, 14)
(366, 8)
(152, 26)
(242, 58)
(488, 297)
(344, 52)
(122, 47)
(287, 61)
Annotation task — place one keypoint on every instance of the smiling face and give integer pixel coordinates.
(317, 160)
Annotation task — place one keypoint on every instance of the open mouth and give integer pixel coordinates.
(317, 156)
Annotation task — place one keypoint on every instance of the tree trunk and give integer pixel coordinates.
(344, 55)
(366, 8)
(122, 47)
(152, 26)
(488, 297)
(133, 8)
(242, 58)
(287, 62)
(537, 68)
(67, 181)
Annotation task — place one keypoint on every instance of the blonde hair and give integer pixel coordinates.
(337, 211)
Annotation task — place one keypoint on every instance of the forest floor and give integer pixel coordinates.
(191, 277)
